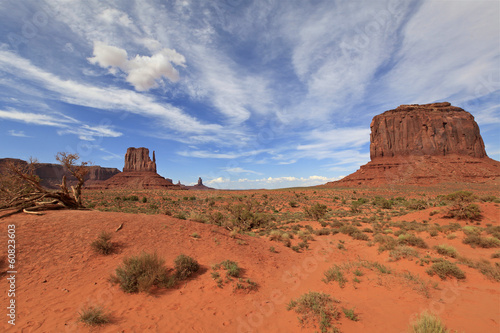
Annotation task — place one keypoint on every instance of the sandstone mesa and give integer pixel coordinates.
(424, 144)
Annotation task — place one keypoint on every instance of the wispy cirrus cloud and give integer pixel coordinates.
(111, 99)
(37, 118)
(238, 170)
(89, 133)
(221, 155)
(19, 134)
(65, 124)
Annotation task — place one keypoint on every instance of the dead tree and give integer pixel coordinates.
(78, 171)
(20, 188)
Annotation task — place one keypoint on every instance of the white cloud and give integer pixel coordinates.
(112, 99)
(217, 155)
(66, 125)
(108, 56)
(488, 115)
(19, 134)
(237, 170)
(143, 72)
(109, 155)
(269, 182)
(112, 16)
(336, 138)
(89, 133)
(37, 119)
(445, 56)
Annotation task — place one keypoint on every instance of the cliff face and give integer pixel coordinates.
(424, 144)
(51, 174)
(137, 159)
(437, 129)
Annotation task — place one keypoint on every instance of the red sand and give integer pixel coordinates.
(58, 274)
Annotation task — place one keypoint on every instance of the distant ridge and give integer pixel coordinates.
(51, 174)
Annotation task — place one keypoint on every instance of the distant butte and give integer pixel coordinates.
(424, 144)
(199, 186)
(139, 172)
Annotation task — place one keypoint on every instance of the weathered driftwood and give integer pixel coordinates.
(119, 227)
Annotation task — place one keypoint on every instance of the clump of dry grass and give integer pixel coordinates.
(428, 323)
(141, 273)
(315, 307)
(103, 244)
(94, 316)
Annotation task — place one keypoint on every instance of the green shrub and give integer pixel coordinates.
(247, 285)
(461, 196)
(446, 250)
(216, 218)
(181, 216)
(386, 242)
(349, 313)
(185, 266)
(103, 244)
(231, 267)
(315, 308)
(279, 236)
(360, 236)
(141, 273)
(334, 273)
(489, 270)
(470, 212)
(247, 216)
(488, 198)
(493, 230)
(381, 268)
(417, 204)
(382, 203)
(305, 236)
(433, 232)
(428, 323)
(434, 212)
(470, 230)
(353, 232)
(322, 232)
(348, 229)
(356, 206)
(93, 316)
(131, 198)
(316, 211)
(444, 269)
(403, 251)
(412, 240)
(485, 242)
(275, 235)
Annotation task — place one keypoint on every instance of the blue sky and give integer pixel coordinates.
(245, 94)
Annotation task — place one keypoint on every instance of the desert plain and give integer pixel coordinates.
(371, 250)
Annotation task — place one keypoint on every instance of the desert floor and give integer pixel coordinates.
(383, 281)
